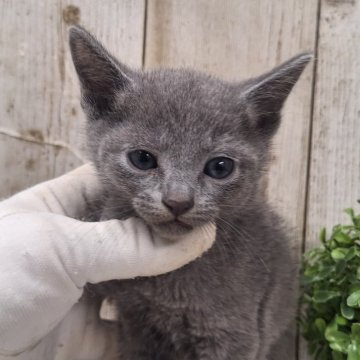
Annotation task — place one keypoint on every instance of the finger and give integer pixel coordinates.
(127, 249)
(68, 194)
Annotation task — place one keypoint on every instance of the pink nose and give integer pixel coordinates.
(178, 207)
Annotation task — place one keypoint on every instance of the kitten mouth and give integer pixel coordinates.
(177, 223)
(172, 229)
(180, 223)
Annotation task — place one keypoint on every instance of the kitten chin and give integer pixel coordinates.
(171, 230)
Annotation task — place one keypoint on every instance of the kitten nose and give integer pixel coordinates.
(178, 206)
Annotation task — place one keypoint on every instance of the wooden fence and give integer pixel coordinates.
(316, 164)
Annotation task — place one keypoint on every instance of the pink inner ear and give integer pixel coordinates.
(101, 76)
(99, 72)
(265, 95)
(271, 89)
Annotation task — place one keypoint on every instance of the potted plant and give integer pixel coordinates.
(330, 281)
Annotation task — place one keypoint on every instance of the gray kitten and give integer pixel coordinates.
(179, 148)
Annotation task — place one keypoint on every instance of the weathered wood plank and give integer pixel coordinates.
(335, 156)
(29, 83)
(238, 39)
(39, 88)
(334, 182)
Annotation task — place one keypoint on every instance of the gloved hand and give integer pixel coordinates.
(46, 256)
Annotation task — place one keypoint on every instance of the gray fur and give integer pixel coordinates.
(237, 300)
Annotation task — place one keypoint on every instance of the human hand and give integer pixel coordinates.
(47, 256)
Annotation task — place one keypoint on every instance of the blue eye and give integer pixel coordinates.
(219, 168)
(142, 159)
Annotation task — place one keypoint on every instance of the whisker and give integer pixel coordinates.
(242, 235)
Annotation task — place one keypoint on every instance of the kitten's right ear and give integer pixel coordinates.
(265, 95)
(101, 75)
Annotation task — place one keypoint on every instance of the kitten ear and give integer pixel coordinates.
(265, 95)
(101, 75)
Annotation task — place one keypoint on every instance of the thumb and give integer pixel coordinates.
(46, 259)
(127, 249)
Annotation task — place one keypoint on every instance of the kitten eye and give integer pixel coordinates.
(142, 159)
(219, 168)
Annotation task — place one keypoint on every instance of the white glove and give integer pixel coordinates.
(46, 256)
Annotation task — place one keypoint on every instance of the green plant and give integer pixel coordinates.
(330, 281)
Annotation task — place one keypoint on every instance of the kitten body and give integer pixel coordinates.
(234, 302)
(239, 298)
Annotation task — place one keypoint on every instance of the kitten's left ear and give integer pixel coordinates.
(101, 76)
(265, 95)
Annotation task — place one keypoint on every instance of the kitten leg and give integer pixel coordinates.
(224, 349)
(284, 347)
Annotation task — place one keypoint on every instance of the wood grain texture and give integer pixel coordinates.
(40, 117)
(335, 156)
(41, 120)
(30, 84)
(334, 180)
(236, 40)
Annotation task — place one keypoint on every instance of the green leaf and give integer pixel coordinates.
(322, 308)
(340, 266)
(350, 212)
(351, 254)
(354, 351)
(343, 238)
(339, 253)
(322, 235)
(337, 355)
(346, 311)
(310, 271)
(339, 341)
(330, 317)
(355, 331)
(354, 299)
(341, 320)
(356, 221)
(323, 354)
(312, 348)
(354, 287)
(309, 255)
(320, 324)
(322, 296)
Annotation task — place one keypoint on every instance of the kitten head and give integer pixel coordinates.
(176, 147)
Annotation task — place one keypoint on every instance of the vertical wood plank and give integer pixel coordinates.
(335, 156)
(334, 182)
(29, 83)
(236, 40)
(40, 117)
